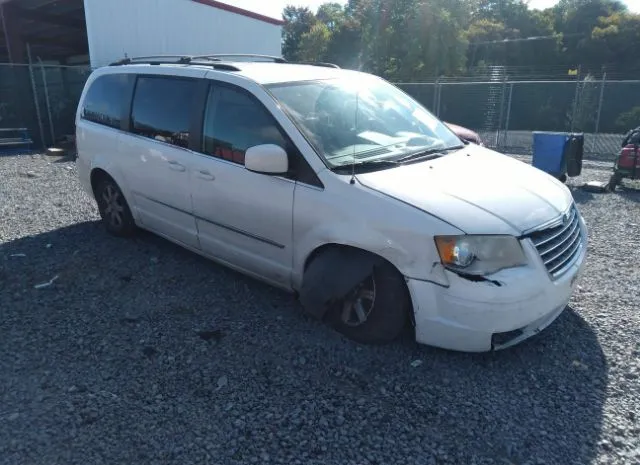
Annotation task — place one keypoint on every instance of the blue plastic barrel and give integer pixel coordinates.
(548, 152)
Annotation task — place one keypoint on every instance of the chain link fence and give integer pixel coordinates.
(44, 98)
(506, 113)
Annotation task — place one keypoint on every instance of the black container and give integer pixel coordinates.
(573, 154)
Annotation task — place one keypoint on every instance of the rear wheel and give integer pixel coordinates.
(375, 312)
(114, 210)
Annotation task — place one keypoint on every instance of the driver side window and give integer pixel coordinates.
(234, 122)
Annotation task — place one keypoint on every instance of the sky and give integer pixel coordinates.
(274, 8)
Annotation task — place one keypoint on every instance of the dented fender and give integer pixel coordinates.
(332, 275)
(400, 250)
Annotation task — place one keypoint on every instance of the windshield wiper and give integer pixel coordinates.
(366, 165)
(428, 154)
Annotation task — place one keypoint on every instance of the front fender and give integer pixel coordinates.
(401, 249)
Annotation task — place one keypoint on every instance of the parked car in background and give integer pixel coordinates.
(258, 166)
(465, 134)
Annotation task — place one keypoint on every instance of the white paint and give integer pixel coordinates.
(267, 158)
(168, 27)
(452, 184)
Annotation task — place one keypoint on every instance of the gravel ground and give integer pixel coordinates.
(141, 352)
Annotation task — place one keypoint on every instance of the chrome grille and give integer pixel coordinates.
(559, 245)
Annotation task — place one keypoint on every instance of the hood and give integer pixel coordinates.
(477, 190)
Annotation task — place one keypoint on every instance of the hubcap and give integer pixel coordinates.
(357, 308)
(113, 206)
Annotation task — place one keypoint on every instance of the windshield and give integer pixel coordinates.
(362, 120)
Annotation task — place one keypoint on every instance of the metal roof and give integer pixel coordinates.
(54, 29)
(241, 11)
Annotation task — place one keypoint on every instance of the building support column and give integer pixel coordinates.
(11, 24)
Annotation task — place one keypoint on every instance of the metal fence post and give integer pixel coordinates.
(35, 96)
(600, 102)
(439, 89)
(508, 119)
(46, 99)
(435, 97)
(575, 99)
(502, 96)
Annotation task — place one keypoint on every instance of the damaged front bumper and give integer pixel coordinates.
(500, 341)
(480, 316)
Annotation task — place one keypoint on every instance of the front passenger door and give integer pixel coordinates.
(243, 218)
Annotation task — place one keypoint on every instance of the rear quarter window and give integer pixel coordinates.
(106, 99)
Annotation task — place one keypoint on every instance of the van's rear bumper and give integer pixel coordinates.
(84, 175)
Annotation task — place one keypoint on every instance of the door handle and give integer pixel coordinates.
(204, 174)
(174, 165)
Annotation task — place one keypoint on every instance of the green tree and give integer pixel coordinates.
(629, 119)
(419, 39)
(315, 43)
(345, 47)
(576, 20)
(437, 42)
(332, 15)
(617, 38)
(528, 36)
(298, 21)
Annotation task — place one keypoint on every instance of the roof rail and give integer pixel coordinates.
(214, 60)
(177, 60)
(221, 56)
(150, 58)
(315, 63)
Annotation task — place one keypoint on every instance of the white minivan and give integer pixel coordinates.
(334, 185)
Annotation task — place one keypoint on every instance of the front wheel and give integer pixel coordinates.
(375, 312)
(114, 210)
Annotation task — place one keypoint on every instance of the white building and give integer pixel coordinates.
(100, 32)
(119, 28)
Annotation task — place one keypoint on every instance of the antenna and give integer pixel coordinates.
(353, 161)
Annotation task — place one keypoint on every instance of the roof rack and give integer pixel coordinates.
(214, 60)
(316, 63)
(176, 60)
(218, 56)
(152, 58)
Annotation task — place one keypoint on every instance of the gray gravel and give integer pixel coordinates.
(141, 352)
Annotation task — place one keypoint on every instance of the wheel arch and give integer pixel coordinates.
(350, 252)
(331, 245)
(97, 175)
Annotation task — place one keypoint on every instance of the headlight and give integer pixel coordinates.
(480, 255)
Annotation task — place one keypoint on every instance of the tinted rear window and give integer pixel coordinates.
(105, 99)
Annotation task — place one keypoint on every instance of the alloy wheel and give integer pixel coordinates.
(113, 206)
(357, 308)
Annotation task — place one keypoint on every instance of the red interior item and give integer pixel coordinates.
(627, 156)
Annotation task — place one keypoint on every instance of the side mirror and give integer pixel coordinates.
(267, 159)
